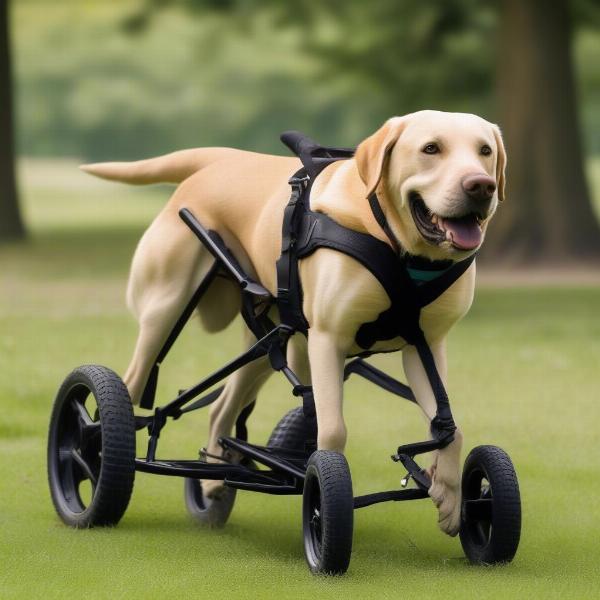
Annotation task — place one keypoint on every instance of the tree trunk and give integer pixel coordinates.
(547, 216)
(11, 224)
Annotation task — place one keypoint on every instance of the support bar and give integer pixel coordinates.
(216, 246)
(419, 448)
(201, 402)
(265, 488)
(196, 469)
(420, 476)
(147, 400)
(261, 348)
(379, 378)
(262, 456)
(391, 496)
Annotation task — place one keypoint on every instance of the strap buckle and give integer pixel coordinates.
(297, 180)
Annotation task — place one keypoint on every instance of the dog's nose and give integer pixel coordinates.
(479, 187)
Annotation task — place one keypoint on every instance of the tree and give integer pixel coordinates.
(548, 214)
(370, 60)
(11, 224)
(437, 53)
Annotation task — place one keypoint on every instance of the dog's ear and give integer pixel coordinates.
(372, 154)
(500, 163)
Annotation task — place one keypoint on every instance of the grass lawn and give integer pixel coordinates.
(523, 375)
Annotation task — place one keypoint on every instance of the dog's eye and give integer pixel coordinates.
(431, 148)
(485, 150)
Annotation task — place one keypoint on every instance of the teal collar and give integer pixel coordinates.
(421, 275)
(421, 269)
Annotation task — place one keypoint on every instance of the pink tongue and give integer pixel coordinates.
(465, 232)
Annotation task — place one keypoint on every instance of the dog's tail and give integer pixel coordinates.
(170, 168)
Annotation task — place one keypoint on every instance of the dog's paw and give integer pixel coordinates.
(448, 501)
(212, 488)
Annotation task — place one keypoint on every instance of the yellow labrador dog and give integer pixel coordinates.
(451, 165)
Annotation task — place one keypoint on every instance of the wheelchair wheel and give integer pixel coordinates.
(210, 512)
(328, 513)
(91, 448)
(491, 511)
(292, 431)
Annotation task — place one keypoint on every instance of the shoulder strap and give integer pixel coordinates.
(320, 231)
(383, 223)
(289, 295)
(315, 158)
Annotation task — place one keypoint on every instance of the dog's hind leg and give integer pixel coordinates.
(167, 268)
(240, 390)
(162, 305)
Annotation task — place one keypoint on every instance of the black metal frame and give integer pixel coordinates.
(280, 471)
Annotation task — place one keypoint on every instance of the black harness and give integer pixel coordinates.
(411, 282)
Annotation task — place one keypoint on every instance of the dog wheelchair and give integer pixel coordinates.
(92, 434)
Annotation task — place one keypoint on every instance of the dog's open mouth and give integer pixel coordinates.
(464, 233)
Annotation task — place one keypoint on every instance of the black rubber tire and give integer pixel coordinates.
(104, 444)
(490, 536)
(292, 431)
(328, 513)
(212, 513)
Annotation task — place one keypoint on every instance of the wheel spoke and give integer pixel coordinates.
(89, 429)
(81, 410)
(65, 462)
(479, 509)
(315, 521)
(91, 438)
(85, 468)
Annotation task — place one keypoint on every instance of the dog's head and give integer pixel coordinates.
(439, 176)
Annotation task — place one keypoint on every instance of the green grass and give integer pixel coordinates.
(523, 375)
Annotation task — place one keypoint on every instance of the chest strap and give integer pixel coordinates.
(407, 296)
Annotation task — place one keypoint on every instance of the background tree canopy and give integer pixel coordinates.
(88, 86)
(127, 79)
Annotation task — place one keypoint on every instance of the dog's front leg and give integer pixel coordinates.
(445, 469)
(326, 359)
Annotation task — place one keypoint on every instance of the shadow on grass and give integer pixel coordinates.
(253, 533)
(282, 541)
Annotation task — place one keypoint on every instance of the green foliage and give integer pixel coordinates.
(99, 92)
(587, 52)
(135, 78)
